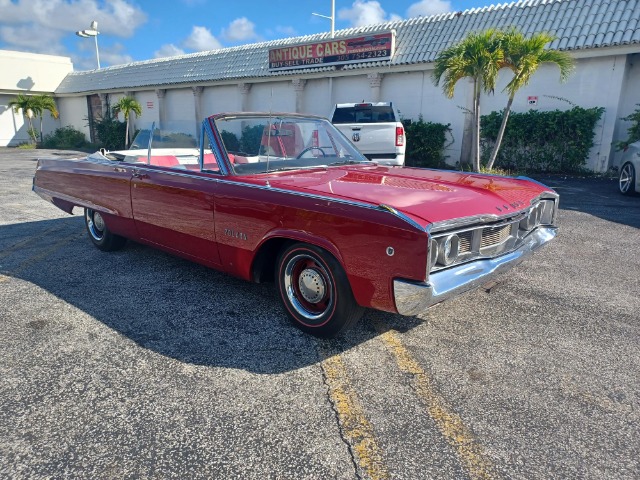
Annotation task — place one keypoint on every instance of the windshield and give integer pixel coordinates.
(262, 143)
(173, 146)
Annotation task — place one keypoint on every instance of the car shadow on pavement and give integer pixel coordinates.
(165, 304)
(596, 196)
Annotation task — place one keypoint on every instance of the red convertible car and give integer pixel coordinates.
(287, 198)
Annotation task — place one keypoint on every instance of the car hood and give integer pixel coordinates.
(425, 195)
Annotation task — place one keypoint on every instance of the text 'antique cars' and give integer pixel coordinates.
(287, 198)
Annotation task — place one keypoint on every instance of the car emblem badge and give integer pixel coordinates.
(356, 137)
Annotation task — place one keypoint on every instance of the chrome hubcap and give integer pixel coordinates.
(308, 286)
(626, 176)
(98, 221)
(311, 286)
(95, 224)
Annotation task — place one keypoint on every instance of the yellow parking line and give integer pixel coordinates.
(354, 424)
(40, 256)
(469, 451)
(26, 241)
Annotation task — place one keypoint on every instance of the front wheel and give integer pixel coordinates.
(315, 291)
(627, 180)
(100, 234)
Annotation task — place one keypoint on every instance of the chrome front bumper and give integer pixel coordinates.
(413, 298)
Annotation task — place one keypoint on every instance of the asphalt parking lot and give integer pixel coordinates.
(136, 364)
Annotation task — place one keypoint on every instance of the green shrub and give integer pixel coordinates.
(425, 143)
(230, 140)
(110, 133)
(65, 138)
(26, 146)
(251, 139)
(554, 141)
(633, 131)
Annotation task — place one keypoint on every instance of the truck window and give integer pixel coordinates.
(364, 114)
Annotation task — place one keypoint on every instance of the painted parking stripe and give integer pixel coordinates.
(469, 451)
(7, 251)
(39, 257)
(356, 429)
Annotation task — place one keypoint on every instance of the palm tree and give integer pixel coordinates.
(478, 56)
(42, 103)
(126, 105)
(28, 107)
(524, 56)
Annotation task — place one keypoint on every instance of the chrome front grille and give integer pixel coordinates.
(494, 236)
(472, 242)
(466, 239)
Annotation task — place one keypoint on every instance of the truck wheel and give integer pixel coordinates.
(315, 291)
(100, 234)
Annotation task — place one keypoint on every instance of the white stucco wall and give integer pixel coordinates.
(13, 126)
(629, 102)
(275, 96)
(180, 112)
(316, 97)
(225, 98)
(29, 74)
(73, 111)
(148, 100)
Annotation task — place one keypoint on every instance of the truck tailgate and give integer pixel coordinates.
(371, 138)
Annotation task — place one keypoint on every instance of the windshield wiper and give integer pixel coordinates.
(284, 169)
(349, 162)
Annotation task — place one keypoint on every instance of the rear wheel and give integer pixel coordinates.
(627, 180)
(100, 234)
(315, 291)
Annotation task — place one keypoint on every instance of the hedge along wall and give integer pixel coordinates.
(425, 143)
(554, 141)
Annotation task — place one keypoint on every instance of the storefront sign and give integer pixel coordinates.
(368, 48)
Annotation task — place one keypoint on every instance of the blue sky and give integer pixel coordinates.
(133, 30)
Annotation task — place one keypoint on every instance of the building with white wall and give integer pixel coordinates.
(29, 74)
(602, 35)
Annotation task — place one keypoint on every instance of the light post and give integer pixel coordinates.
(332, 17)
(91, 32)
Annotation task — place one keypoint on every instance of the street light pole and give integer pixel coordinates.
(91, 32)
(332, 17)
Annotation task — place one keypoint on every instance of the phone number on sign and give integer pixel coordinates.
(358, 56)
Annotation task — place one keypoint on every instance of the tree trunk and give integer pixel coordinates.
(126, 135)
(503, 126)
(476, 126)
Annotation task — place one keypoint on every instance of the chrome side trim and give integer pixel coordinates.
(413, 298)
(48, 195)
(402, 216)
(188, 174)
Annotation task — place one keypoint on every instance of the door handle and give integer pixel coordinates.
(139, 174)
(120, 170)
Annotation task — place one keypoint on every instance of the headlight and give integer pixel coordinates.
(448, 249)
(433, 253)
(533, 219)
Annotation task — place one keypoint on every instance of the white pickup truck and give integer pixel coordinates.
(374, 128)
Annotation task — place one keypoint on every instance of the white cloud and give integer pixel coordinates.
(366, 12)
(115, 17)
(24, 38)
(239, 30)
(286, 30)
(201, 39)
(41, 25)
(115, 55)
(428, 7)
(168, 50)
